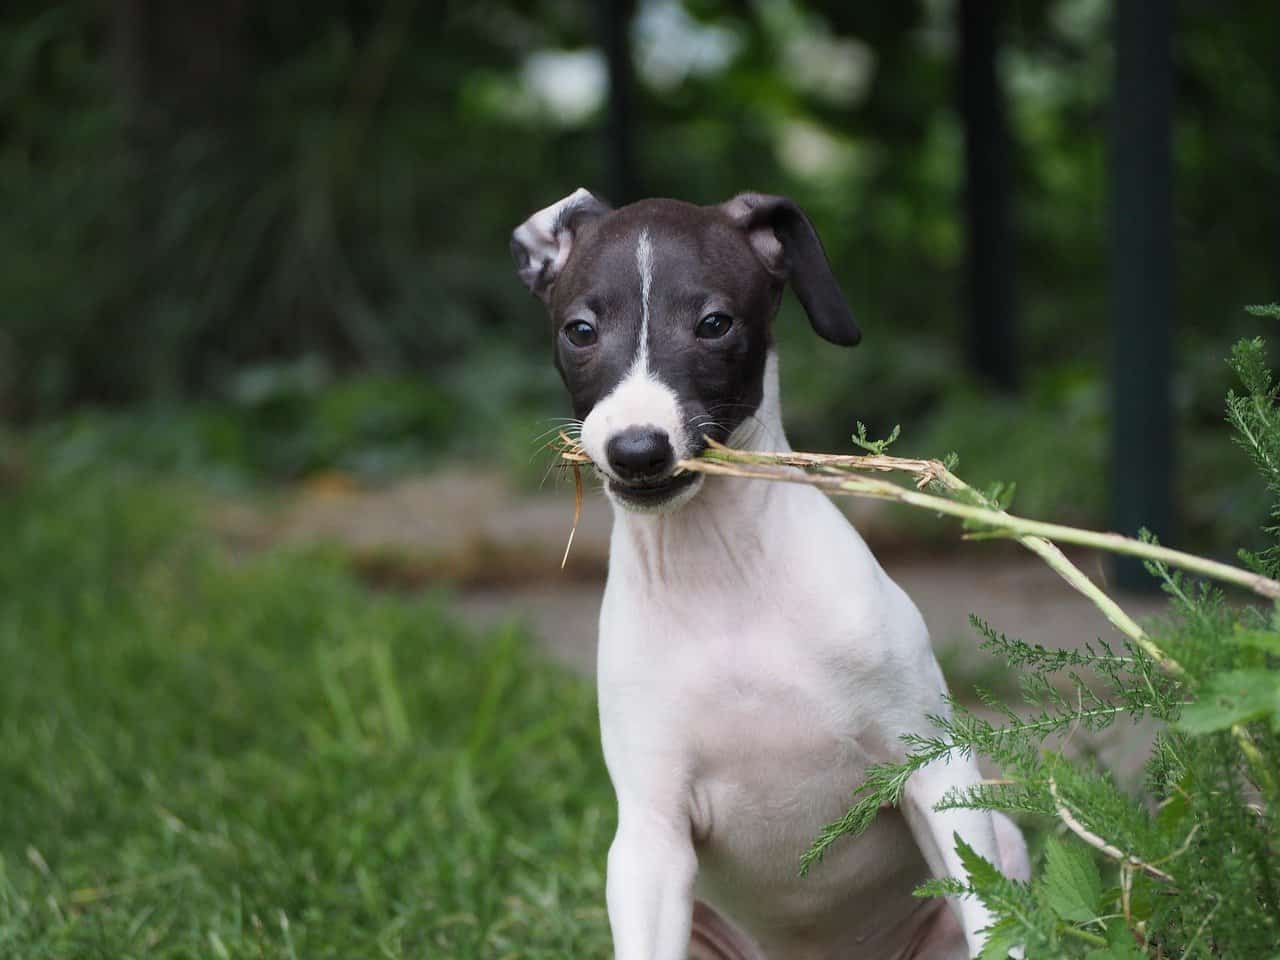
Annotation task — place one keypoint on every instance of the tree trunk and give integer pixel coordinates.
(1141, 275)
(990, 280)
(621, 179)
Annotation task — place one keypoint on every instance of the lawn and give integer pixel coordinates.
(210, 756)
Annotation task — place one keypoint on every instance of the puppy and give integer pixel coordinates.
(754, 657)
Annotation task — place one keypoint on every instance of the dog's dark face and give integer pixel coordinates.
(661, 314)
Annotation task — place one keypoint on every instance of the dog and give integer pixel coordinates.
(754, 659)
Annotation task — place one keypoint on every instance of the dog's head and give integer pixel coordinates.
(662, 314)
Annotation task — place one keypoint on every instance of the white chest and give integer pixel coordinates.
(762, 735)
(748, 678)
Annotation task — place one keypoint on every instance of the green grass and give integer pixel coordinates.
(203, 756)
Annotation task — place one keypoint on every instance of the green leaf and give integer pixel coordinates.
(1002, 937)
(1071, 882)
(1266, 640)
(876, 447)
(941, 887)
(982, 873)
(1237, 696)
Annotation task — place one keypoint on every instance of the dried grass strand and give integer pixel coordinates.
(572, 454)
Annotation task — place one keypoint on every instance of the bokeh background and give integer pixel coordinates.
(273, 404)
(292, 220)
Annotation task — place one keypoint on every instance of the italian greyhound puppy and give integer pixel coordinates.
(754, 658)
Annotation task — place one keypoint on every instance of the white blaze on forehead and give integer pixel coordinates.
(641, 398)
(644, 263)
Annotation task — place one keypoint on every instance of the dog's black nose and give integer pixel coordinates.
(639, 453)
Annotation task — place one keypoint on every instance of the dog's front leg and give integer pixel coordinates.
(934, 832)
(649, 888)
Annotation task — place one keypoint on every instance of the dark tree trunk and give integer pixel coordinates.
(184, 59)
(622, 181)
(990, 287)
(1141, 275)
(127, 54)
(197, 57)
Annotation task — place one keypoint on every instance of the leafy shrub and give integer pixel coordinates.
(1188, 868)
(278, 423)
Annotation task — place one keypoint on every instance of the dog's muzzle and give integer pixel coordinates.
(641, 464)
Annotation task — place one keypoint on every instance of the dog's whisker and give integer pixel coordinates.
(568, 425)
(555, 445)
(549, 432)
(551, 468)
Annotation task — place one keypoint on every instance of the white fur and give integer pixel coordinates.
(644, 264)
(754, 660)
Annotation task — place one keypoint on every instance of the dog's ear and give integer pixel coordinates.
(788, 246)
(542, 244)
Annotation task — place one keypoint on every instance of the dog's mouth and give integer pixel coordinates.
(652, 493)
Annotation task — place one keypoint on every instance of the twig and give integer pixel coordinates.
(830, 472)
(725, 462)
(1095, 841)
(1126, 893)
(1183, 847)
(1200, 929)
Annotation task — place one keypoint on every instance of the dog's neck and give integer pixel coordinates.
(724, 528)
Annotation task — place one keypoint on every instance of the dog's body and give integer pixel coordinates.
(754, 657)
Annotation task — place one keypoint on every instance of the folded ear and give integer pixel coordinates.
(542, 244)
(788, 246)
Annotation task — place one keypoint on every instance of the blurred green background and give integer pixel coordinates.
(274, 236)
(272, 400)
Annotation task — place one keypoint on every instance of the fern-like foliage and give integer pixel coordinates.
(875, 447)
(1187, 867)
(1256, 419)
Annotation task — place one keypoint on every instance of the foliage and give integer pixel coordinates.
(877, 447)
(156, 245)
(286, 422)
(1257, 424)
(286, 430)
(1188, 867)
(1061, 418)
(345, 186)
(201, 757)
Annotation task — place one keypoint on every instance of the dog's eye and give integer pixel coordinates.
(580, 333)
(713, 326)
